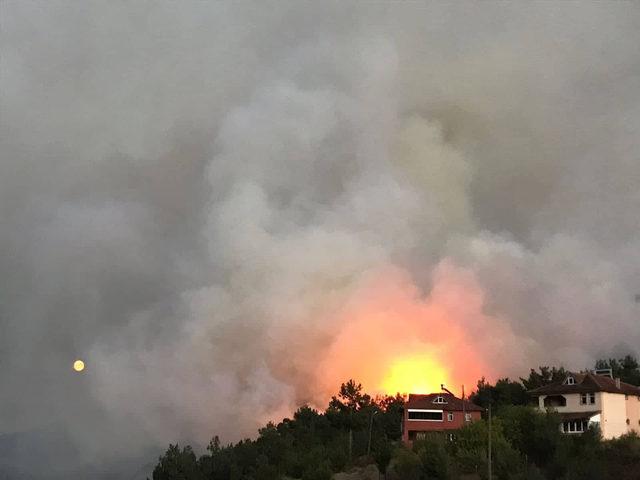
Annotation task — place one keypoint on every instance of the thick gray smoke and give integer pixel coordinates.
(191, 195)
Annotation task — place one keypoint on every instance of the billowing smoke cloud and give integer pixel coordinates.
(227, 209)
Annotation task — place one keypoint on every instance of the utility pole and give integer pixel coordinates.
(351, 434)
(370, 430)
(489, 450)
(464, 409)
(350, 442)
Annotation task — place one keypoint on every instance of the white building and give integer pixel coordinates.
(582, 399)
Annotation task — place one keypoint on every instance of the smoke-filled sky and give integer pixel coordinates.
(226, 209)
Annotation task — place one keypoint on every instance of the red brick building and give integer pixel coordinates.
(436, 412)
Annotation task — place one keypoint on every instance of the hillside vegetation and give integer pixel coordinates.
(360, 436)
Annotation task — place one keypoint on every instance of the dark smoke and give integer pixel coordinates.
(190, 193)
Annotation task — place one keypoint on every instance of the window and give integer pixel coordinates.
(439, 400)
(553, 401)
(589, 398)
(425, 415)
(574, 426)
(467, 417)
(450, 416)
(570, 381)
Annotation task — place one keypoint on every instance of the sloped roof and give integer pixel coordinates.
(587, 383)
(578, 415)
(454, 404)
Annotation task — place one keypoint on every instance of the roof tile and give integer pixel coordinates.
(454, 404)
(586, 383)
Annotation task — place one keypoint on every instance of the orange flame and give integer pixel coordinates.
(395, 340)
(415, 374)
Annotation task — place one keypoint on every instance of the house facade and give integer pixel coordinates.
(436, 412)
(584, 399)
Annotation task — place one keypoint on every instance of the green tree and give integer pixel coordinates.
(622, 456)
(471, 446)
(272, 444)
(388, 421)
(504, 393)
(350, 398)
(526, 443)
(177, 464)
(406, 464)
(578, 457)
(317, 471)
(382, 454)
(544, 376)
(218, 464)
(351, 410)
(433, 457)
(533, 433)
(626, 368)
(264, 470)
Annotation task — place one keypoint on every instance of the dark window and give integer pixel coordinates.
(583, 399)
(414, 435)
(425, 415)
(592, 398)
(555, 401)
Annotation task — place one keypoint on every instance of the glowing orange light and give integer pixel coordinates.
(394, 339)
(414, 374)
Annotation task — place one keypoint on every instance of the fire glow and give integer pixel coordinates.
(415, 374)
(396, 340)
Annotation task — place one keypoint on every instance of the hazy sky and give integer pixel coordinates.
(199, 199)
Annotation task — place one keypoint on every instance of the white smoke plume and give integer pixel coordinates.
(201, 199)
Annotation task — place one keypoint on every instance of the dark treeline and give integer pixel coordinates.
(311, 445)
(508, 392)
(356, 430)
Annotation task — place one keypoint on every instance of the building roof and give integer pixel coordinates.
(587, 383)
(578, 415)
(453, 403)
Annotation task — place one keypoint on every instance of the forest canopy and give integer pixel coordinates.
(356, 430)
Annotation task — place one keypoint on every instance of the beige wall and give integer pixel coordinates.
(633, 412)
(615, 411)
(614, 415)
(573, 403)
